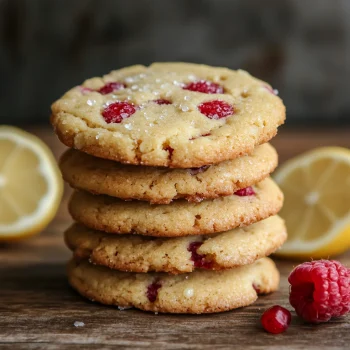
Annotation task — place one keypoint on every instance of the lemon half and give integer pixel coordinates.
(30, 184)
(316, 209)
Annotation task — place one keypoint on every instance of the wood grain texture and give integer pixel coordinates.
(38, 308)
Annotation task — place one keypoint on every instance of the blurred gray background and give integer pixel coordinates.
(302, 47)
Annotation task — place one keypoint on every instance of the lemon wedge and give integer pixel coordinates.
(30, 184)
(316, 209)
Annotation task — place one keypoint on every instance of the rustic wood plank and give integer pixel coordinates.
(38, 308)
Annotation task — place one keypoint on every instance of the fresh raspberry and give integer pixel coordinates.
(243, 192)
(216, 109)
(162, 101)
(205, 87)
(276, 319)
(117, 111)
(152, 291)
(320, 290)
(110, 87)
(195, 171)
(198, 259)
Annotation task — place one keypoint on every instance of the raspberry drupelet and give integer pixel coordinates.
(276, 319)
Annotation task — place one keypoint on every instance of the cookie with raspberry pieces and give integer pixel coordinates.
(177, 115)
(179, 218)
(161, 185)
(134, 253)
(201, 291)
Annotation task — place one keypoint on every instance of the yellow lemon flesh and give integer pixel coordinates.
(30, 184)
(316, 209)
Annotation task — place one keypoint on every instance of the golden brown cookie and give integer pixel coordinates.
(180, 115)
(132, 253)
(161, 185)
(179, 218)
(202, 291)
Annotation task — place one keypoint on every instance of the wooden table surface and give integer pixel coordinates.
(38, 308)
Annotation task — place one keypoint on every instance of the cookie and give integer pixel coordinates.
(132, 253)
(179, 218)
(179, 115)
(202, 291)
(161, 185)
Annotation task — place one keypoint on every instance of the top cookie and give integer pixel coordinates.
(179, 115)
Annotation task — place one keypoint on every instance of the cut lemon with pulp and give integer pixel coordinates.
(316, 209)
(30, 184)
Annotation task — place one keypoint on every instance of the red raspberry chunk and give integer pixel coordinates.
(85, 90)
(162, 101)
(110, 87)
(216, 109)
(195, 171)
(320, 290)
(244, 192)
(117, 111)
(276, 319)
(198, 259)
(256, 288)
(152, 291)
(205, 87)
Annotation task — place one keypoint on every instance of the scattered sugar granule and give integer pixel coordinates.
(79, 324)
(91, 102)
(188, 292)
(122, 308)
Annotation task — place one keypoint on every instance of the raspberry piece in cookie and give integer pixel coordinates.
(244, 192)
(110, 87)
(152, 291)
(162, 101)
(205, 87)
(216, 109)
(195, 171)
(85, 90)
(271, 90)
(199, 260)
(116, 112)
(320, 290)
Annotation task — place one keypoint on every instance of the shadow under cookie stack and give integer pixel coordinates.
(174, 207)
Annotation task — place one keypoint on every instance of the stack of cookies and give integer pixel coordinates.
(174, 207)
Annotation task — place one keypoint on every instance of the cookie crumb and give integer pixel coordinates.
(79, 324)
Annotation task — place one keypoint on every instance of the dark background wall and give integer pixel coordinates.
(302, 47)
